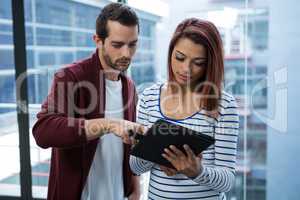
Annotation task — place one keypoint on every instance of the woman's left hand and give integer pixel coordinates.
(188, 164)
(136, 193)
(134, 196)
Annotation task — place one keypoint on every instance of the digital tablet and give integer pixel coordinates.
(161, 135)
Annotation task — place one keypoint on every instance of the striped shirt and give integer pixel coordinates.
(218, 161)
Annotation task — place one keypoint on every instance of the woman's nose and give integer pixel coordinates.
(186, 67)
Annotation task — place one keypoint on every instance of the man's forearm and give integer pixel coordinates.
(96, 128)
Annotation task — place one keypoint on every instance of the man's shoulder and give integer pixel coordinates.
(79, 70)
(81, 66)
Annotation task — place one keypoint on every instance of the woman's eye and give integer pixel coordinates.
(179, 58)
(202, 64)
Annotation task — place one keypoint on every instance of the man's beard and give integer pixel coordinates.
(116, 65)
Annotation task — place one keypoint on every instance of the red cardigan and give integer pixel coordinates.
(60, 125)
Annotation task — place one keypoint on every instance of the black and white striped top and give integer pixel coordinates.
(219, 160)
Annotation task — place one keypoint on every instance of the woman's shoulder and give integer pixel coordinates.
(152, 90)
(227, 103)
(150, 93)
(227, 99)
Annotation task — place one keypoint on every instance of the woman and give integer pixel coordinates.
(192, 97)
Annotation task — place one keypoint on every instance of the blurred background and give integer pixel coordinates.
(261, 42)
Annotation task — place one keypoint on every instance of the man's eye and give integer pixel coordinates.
(117, 46)
(132, 45)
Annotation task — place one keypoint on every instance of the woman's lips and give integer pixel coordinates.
(183, 77)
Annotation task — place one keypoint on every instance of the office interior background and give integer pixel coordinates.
(261, 43)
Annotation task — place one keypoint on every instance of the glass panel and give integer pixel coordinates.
(6, 34)
(52, 37)
(244, 29)
(52, 12)
(232, 31)
(9, 137)
(143, 66)
(245, 33)
(245, 36)
(257, 37)
(72, 38)
(5, 10)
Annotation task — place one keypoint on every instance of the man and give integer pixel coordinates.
(88, 114)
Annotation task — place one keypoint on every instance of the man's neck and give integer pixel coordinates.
(110, 73)
(113, 76)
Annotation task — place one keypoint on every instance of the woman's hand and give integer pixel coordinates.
(168, 171)
(188, 164)
(134, 196)
(136, 193)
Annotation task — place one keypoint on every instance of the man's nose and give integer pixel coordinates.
(126, 52)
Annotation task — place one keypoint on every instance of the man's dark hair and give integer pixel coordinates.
(116, 12)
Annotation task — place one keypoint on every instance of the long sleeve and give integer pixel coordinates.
(220, 176)
(138, 165)
(56, 125)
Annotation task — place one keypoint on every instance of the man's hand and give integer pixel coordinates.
(122, 129)
(95, 128)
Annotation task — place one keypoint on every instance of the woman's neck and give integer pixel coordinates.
(185, 92)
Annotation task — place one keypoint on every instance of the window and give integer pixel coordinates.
(52, 37)
(54, 12)
(85, 19)
(7, 59)
(9, 137)
(84, 39)
(5, 10)
(59, 32)
(6, 34)
(62, 34)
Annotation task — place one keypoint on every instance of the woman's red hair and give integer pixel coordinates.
(205, 33)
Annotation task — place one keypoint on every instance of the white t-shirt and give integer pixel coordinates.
(105, 179)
